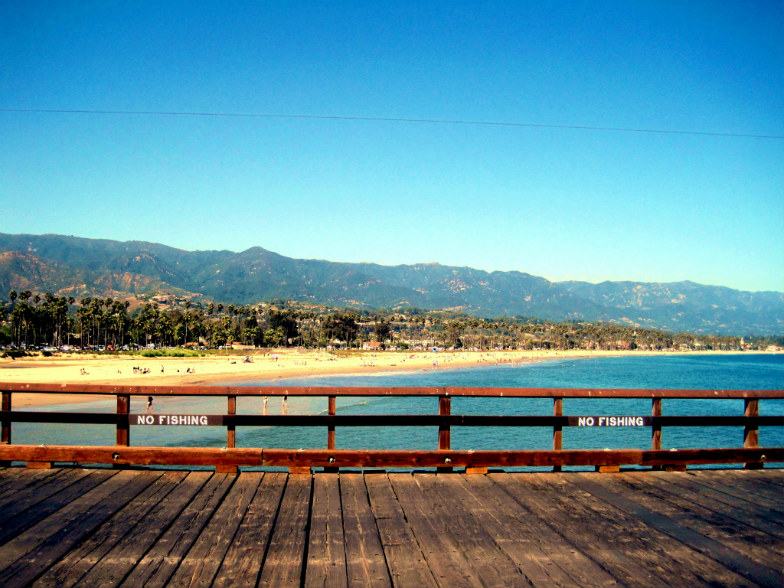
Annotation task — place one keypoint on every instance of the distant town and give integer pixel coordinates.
(47, 322)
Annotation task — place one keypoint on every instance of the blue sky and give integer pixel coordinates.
(549, 199)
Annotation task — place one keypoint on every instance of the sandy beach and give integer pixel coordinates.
(137, 370)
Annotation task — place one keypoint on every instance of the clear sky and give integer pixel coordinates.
(549, 199)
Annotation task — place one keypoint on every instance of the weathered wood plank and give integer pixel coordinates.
(720, 537)
(365, 561)
(594, 535)
(714, 561)
(758, 488)
(543, 555)
(29, 517)
(326, 562)
(637, 536)
(161, 561)
(29, 554)
(119, 561)
(31, 495)
(283, 565)
(13, 481)
(406, 561)
(376, 529)
(79, 561)
(430, 523)
(742, 519)
(204, 559)
(450, 502)
(716, 496)
(243, 561)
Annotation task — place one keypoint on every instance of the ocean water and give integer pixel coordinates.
(682, 371)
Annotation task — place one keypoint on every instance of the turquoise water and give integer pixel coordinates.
(697, 371)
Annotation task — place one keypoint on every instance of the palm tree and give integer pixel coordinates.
(187, 316)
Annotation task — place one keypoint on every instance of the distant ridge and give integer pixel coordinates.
(98, 267)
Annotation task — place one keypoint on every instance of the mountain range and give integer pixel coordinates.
(78, 267)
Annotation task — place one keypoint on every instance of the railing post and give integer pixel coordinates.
(123, 428)
(6, 426)
(6, 439)
(231, 432)
(231, 436)
(444, 431)
(656, 432)
(557, 429)
(751, 432)
(331, 411)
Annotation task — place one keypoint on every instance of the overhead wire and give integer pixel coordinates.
(392, 119)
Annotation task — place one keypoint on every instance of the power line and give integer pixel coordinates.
(391, 119)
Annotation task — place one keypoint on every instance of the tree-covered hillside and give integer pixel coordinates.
(71, 266)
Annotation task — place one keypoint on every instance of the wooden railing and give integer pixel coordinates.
(230, 457)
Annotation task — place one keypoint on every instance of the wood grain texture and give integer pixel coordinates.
(404, 530)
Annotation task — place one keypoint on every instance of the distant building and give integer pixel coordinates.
(372, 346)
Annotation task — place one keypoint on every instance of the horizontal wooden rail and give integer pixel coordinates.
(353, 391)
(443, 458)
(208, 456)
(384, 420)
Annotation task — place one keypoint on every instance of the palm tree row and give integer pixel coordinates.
(32, 319)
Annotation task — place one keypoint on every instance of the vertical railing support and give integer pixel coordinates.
(331, 411)
(123, 425)
(231, 436)
(231, 431)
(444, 430)
(6, 438)
(656, 432)
(6, 425)
(557, 429)
(751, 432)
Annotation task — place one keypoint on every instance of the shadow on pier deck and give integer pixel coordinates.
(102, 527)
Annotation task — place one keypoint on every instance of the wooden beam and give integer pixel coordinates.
(123, 429)
(444, 430)
(212, 456)
(475, 470)
(6, 406)
(206, 456)
(751, 431)
(656, 430)
(331, 411)
(378, 391)
(557, 429)
(231, 433)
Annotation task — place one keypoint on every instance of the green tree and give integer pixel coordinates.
(452, 334)
(187, 313)
(381, 330)
(286, 321)
(340, 326)
(274, 336)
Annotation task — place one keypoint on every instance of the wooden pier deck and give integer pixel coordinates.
(104, 527)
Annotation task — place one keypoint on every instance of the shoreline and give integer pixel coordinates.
(281, 364)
